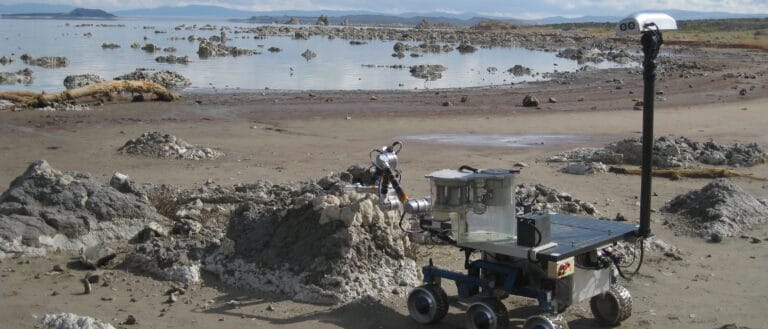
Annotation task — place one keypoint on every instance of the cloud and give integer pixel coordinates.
(509, 8)
(628, 6)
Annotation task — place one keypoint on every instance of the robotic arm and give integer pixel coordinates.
(386, 175)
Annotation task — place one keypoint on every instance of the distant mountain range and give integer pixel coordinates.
(336, 16)
(77, 13)
(377, 19)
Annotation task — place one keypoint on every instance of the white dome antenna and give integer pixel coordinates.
(642, 22)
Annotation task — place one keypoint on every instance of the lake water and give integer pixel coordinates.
(338, 65)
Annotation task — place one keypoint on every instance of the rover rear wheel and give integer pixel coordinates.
(545, 321)
(427, 304)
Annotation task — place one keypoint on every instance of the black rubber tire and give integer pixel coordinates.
(437, 306)
(612, 307)
(492, 308)
(562, 308)
(545, 321)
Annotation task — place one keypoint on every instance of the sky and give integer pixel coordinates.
(503, 8)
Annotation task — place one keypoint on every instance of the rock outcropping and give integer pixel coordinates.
(47, 208)
(315, 244)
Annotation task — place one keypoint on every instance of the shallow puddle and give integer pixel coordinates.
(500, 140)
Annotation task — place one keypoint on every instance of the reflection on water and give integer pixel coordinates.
(498, 140)
(338, 65)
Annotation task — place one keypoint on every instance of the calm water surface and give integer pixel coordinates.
(338, 65)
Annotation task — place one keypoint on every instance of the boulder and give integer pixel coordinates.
(81, 80)
(427, 72)
(519, 70)
(22, 77)
(466, 47)
(46, 61)
(530, 101)
(308, 54)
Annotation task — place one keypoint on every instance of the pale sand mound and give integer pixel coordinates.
(719, 209)
(159, 145)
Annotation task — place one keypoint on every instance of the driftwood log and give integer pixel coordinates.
(675, 174)
(30, 99)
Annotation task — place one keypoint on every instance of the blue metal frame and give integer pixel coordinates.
(470, 284)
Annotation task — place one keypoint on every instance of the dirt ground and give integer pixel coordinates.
(288, 136)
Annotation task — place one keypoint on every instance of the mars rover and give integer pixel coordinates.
(557, 259)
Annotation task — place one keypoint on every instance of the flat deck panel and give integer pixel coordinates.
(573, 235)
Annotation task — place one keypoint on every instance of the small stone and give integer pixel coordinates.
(93, 277)
(464, 99)
(715, 238)
(743, 92)
(447, 104)
(176, 290)
(172, 298)
(55, 293)
(270, 308)
(130, 320)
(374, 98)
(58, 268)
(521, 164)
(552, 100)
(620, 218)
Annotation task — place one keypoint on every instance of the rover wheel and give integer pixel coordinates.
(488, 313)
(613, 306)
(427, 304)
(562, 307)
(545, 321)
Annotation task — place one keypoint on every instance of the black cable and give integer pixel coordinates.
(538, 242)
(465, 167)
(637, 269)
(402, 217)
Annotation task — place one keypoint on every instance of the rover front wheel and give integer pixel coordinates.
(488, 313)
(612, 307)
